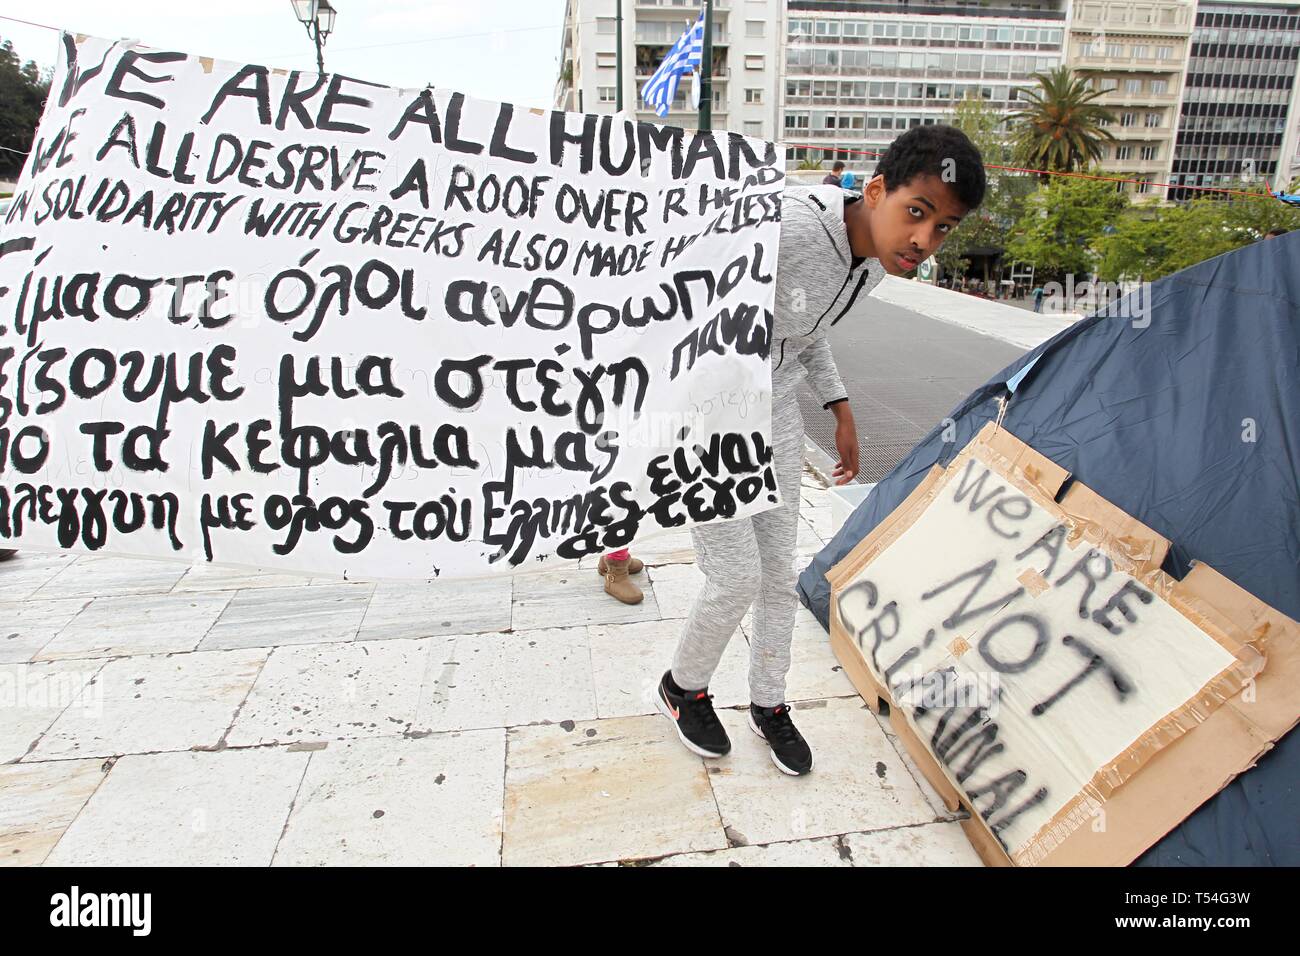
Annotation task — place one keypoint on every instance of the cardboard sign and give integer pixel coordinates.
(1039, 664)
(308, 322)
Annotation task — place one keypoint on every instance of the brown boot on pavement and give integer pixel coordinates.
(634, 566)
(617, 584)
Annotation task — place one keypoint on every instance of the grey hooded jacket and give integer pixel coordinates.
(817, 281)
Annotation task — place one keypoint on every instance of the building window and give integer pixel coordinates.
(1123, 152)
(754, 96)
(1127, 119)
(1164, 52)
(1132, 86)
(1142, 187)
(1140, 52)
(1150, 152)
(606, 26)
(754, 62)
(754, 28)
(1153, 120)
(605, 94)
(754, 128)
(1160, 86)
(606, 59)
(1114, 49)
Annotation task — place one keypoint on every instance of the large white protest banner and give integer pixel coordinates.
(281, 319)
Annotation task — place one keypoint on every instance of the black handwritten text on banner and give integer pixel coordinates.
(288, 320)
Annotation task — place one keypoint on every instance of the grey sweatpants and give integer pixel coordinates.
(750, 561)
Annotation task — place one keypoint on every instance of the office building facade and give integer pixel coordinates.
(745, 69)
(858, 74)
(1238, 120)
(1203, 94)
(1136, 55)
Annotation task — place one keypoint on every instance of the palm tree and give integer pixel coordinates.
(1062, 128)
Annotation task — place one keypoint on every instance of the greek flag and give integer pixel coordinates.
(686, 55)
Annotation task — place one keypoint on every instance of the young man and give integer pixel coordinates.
(834, 247)
(833, 177)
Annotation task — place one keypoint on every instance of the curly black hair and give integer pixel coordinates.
(938, 150)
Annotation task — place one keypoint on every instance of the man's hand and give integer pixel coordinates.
(846, 443)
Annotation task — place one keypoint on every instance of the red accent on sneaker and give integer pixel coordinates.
(673, 710)
(700, 695)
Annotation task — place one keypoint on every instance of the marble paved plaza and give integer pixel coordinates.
(153, 713)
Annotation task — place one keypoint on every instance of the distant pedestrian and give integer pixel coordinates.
(1038, 298)
(833, 177)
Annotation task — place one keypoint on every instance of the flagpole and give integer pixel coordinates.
(618, 61)
(706, 71)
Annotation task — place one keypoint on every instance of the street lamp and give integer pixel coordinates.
(318, 17)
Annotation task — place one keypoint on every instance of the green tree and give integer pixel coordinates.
(1140, 245)
(1214, 226)
(22, 98)
(1156, 241)
(1005, 197)
(985, 126)
(1061, 129)
(1062, 223)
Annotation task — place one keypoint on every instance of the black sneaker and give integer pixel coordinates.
(790, 752)
(692, 714)
(6, 554)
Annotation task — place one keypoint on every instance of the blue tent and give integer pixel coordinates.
(1188, 418)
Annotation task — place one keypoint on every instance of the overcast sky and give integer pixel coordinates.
(494, 49)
